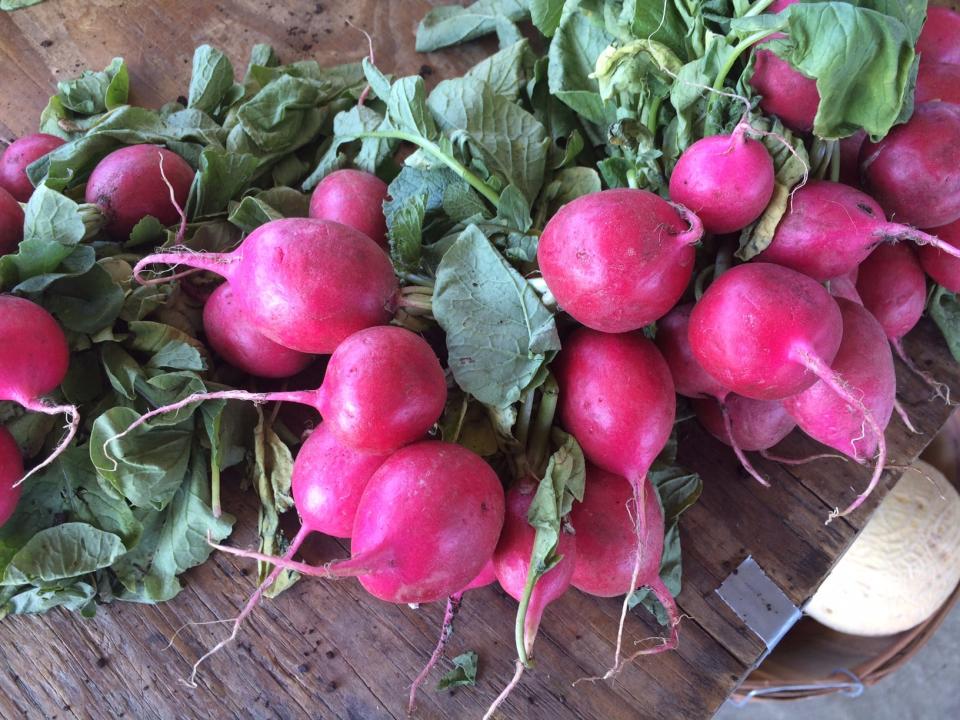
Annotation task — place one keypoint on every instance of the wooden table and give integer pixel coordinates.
(327, 650)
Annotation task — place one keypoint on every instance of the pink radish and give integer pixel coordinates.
(487, 576)
(914, 172)
(34, 357)
(305, 284)
(241, 345)
(18, 156)
(328, 481)
(426, 525)
(850, 158)
(511, 562)
(894, 290)
(11, 223)
(831, 228)
(784, 91)
(768, 332)
(606, 533)
(756, 424)
(940, 37)
(11, 470)
(727, 180)
(128, 184)
(845, 286)
(942, 267)
(353, 198)
(865, 363)
(383, 388)
(938, 81)
(625, 244)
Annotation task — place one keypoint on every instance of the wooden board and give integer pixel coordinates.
(327, 650)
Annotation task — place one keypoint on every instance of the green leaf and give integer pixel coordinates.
(406, 233)
(511, 142)
(346, 126)
(221, 177)
(452, 24)
(499, 334)
(579, 40)
(148, 231)
(86, 303)
(75, 597)
(64, 551)
(95, 92)
(173, 541)
(8, 5)
(168, 347)
(464, 672)
(251, 213)
(545, 15)
(407, 107)
(514, 210)
(569, 184)
(504, 70)
(211, 80)
(944, 308)
(283, 116)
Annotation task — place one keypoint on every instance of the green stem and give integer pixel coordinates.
(519, 629)
(542, 425)
(738, 50)
(653, 113)
(215, 488)
(523, 420)
(835, 161)
(465, 173)
(758, 8)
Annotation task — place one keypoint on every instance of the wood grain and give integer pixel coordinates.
(326, 649)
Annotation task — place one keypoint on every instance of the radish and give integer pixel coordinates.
(242, 345)
(938, 81)
(34, 357)
(11, 223)
(845, 286)
(15, 159)
(727, 180)
(831, 228)
(607, 547)
(11, 470)
(136, 181)
(383, 388)
(850, 158)
(305, 284)
(755, 424)
(511, 562)
(784, 90)
(487, 576)
(939, 39)
(328, 481)
(427, 524)
(865, 363)
(942, 267)
(353, 198)
(914, 172)
(768, 332)
(625, 244)
(894, 290)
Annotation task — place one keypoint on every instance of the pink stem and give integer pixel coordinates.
(251, 604)
(896, 232)
(904, 418)
(823, 371)
(693, 234)
(349, 567)
(305, 397)
(506, 692)
(446, 630)
(73, 424)
(940, 390)
(741, 456)
(801, 461)
(220, 263)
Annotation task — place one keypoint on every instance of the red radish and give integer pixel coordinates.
(938, 81)
(328, 481)
(11, 470)
(128, 184)
(11, 223)
(625, 244)
(727, 180)
(34, 357)
(914, 172)
(784, 90)
(894, 290)
(865, 363)
(850, 158)
(383, 388)
(427, 524)
(242, 345)
(942, 267)
(15, 159)
(831, 228)
(305, 284)
(353, 198)
(486, 577)
(939, 39)
(778, 5)
(756, 424)
(689, 379)
(845, 286)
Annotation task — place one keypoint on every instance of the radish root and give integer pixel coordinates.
(506, 691)
(904, 418)
(446, 631)
(73, 424)
(940, 390)
(741, 456)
